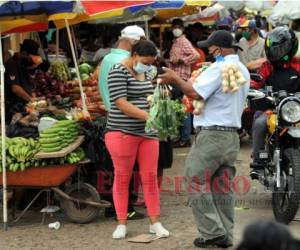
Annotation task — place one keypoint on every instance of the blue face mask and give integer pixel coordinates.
(219, 57)
(141, 68)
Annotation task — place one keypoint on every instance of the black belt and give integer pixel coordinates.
(217, 128)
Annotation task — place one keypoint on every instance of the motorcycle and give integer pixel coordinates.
(281, 157)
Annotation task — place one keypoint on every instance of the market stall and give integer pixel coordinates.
(43, 148)
(22, 156)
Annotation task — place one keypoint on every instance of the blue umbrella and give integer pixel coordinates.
(160, 5)
(18, 8)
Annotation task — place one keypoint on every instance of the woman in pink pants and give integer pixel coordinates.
(126, 140)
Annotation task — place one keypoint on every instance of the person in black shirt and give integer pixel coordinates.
(18, 88)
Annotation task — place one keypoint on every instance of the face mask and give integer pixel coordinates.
(177, 32)
(247, 35)
(218, 57)
(141, 68)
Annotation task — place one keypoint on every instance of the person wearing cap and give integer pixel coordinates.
(252, 45)
(215, 149)
(18, 88)
(182, 57)
(129, 36)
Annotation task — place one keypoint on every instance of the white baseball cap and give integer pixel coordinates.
(134, 32)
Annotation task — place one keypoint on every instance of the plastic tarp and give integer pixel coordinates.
(216, 9)
(285, 11)
(256, 5)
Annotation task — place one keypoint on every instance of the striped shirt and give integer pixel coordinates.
(122, 84)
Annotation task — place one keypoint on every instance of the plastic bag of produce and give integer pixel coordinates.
(46, 122)
(165, 116)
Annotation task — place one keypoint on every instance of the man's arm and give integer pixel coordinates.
(256, 64)
(20, 92)
(170, 77)
(202, 87)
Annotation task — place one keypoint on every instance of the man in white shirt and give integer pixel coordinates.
(214, 151)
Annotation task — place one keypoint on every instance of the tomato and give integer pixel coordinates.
(188, 105)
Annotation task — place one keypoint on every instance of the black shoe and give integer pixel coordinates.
(182, 144)
(134, 215)
(219, 242)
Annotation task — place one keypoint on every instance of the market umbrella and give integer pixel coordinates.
(14, 15)
(104, 11)
(165, 10)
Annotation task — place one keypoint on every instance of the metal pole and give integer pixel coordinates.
(76, 67)
(146, 26)
(57, 43)
(74, 42)
(3, 133)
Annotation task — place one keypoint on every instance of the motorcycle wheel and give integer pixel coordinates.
(285, 202)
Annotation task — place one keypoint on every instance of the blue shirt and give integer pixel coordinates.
(221, 109)
(115, 56)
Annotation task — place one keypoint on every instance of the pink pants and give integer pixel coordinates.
(124, 150)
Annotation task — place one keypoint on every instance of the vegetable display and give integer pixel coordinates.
(46, 85)
(62, 102)
(59, 70)
(232, 78)
(165, 116)
(58, 136)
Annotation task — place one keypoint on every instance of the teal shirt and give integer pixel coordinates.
(115, 56)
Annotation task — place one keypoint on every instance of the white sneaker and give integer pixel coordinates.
(158, 229)
(120, 232)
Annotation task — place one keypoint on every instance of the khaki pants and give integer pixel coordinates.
(209, 173)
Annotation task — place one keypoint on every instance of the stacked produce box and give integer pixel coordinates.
(90, 88)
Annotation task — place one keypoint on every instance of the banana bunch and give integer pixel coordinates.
(22, 149)
(76, 156)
